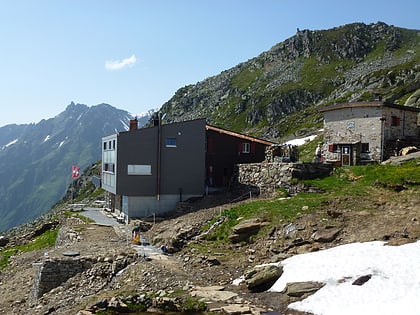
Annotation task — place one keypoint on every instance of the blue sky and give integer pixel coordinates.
(134, 55)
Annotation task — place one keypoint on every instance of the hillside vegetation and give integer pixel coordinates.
(277, 94)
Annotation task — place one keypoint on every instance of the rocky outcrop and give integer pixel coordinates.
(276, 94)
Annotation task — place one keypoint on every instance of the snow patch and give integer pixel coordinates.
(10, 143)
(394, 287)
(301, 141)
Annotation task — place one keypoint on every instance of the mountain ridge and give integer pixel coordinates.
(277, 93)
(36, 158)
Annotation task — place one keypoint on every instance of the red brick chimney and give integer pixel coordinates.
(134, 124)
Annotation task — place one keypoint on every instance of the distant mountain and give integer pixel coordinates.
(277, 95)
(36, 159)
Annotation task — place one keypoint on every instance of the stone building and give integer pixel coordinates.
(368, 132)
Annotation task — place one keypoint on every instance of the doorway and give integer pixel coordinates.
(345, 155)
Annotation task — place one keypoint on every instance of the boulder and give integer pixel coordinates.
(212, 261)
(213, 293)
(261, 278)
(3, 241)
(326, 236)
(44, 228)
(243, 230)
(236, 309)
(408, 150)
(298, 289)
(362, 280)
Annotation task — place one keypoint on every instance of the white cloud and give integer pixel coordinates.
(120, 64)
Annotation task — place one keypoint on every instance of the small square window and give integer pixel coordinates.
(332, 148)
(246, 147)
(170, 142)
(109, 167)
(395, 121)
(365, 147)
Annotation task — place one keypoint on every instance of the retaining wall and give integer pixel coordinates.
(51, 273)
(270, 175)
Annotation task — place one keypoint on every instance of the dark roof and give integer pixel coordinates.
(368, 104)
(238, 135)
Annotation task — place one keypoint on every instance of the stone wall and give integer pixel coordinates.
(53, 272)
(268, 176)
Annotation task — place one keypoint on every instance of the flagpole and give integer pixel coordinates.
(75, 173)
(72, 191)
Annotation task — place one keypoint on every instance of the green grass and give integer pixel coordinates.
(43, 241)
(245, 78)
(70, 213)
(275, 210)
(347, 183)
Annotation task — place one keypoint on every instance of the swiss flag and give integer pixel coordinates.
(75, 171)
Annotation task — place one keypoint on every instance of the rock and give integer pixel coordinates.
(408, 150)
(238, 238)
(165, 304)
(261, 278)
(244, 230)
(117, 305)
(298, 289)
(213, 293)
(236, 309)
(326, 236)
(3, 241)
(44, 227)
(362, 280)
(290, 230)
(212, 261)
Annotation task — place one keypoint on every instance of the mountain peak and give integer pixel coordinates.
(278, 93)
(36, 159)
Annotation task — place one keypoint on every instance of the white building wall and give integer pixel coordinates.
(109, 156)
(352, 125)
(149, 206)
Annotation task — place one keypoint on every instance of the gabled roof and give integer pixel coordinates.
(238, 135)
(368, 104)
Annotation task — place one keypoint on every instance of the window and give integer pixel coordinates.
(246, 147)
(332, 148)
(170, 142)
(109, 167)
(395, 121)
(365, 147)
(104, 145)
(113, 144)
(134, 169)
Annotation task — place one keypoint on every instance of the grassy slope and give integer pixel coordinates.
(349, 184)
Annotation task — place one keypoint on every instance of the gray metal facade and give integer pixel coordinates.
(158, 167)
